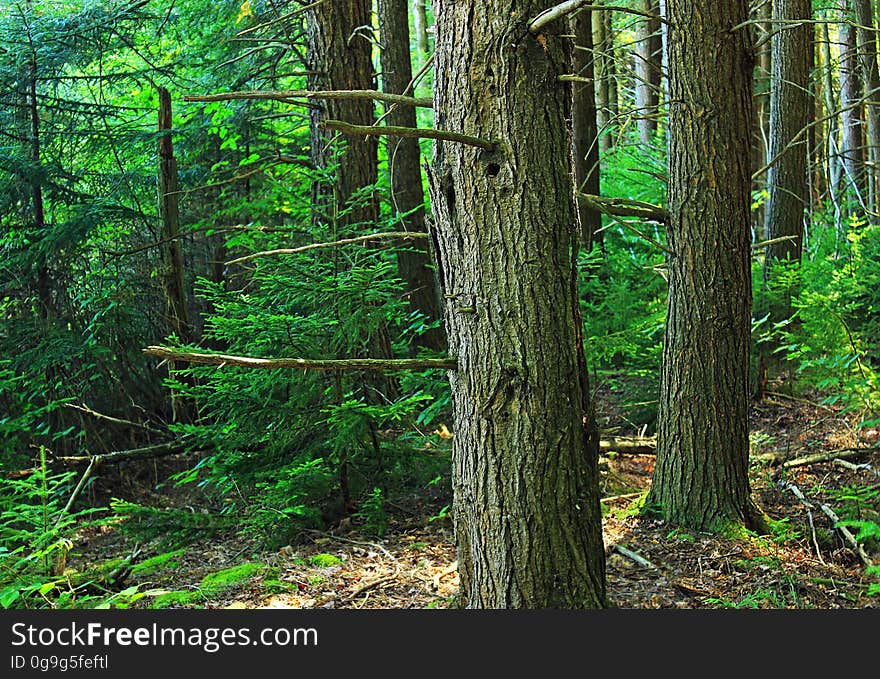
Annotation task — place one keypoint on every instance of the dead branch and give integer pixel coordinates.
(843, 530)
(633, 556)
(548, 16)
(158, 450)
(621, 207)
(629, 445)
(403, 235)
(303, 363)
(842, 454)
(410, 132)
(287, 95)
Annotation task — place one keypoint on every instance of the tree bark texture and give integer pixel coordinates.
(407, 192)
(585, 129)
(340, 58)
(790, 112)
(525, 451)
(700, 479)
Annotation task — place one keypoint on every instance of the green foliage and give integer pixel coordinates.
(36, 536)
(324, 560)
(170, 528)
(372, 513)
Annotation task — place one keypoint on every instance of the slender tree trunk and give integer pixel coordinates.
(407, 193)
(527, 517)
(420, 25)
(852, 147)
(585, 145)
(833, 130)
(611, 66)
(600, 71)
(700, 478)
(867, 49)
(790, 113)
(647, 72)
(176, 315)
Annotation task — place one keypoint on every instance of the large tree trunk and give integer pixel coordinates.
(790, 113)
(700, 479)
(647, 58)
(407, 193)
(584, 129)
(525, 451)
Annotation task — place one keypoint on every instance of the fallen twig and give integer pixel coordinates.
(843, 530)
(633, 556)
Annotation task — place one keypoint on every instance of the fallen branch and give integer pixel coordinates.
(158, 450)
(287, 95)
(409, 132)
(621, 207)
(303, 363)
(841, 454)
(631, 445)
(843, 530)
(315, 246)
(857, 467)
(625, 496)
(632, 556)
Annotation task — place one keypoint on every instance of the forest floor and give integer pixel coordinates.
(804, 562)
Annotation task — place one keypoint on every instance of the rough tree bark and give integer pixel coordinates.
(584, 128)
(407, 193)
(700, 479)
(790, 112)
(526, 507)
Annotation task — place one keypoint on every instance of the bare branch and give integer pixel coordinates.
(413, 132)
(303, 363)
(620, 207)
(287, 95)
(332, 244)
(548, 16)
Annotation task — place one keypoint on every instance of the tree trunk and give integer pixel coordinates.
(647, 72)
(790, 113)
(177, 318)
(420, 24)
(584, 129)
(525, 451)
(867, 49)
(407, 194)
(851, 145)
(700, 480)
(611, 67)
(600, 68)
(340, 58)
